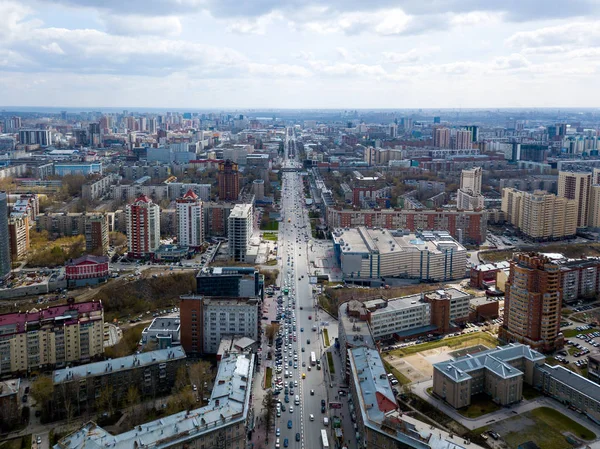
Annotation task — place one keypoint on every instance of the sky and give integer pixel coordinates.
(300, 53)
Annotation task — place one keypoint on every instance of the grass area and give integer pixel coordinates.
(481, 404)
(23, 442)
(568, 333)
(330, 363)
(530, 393)
(544, 426)
(326, 337)
(397, 374)
(462, 341)
(268, 377)
(272, 225)
(270, 236)
(128, 345)
(566, 312)
(572, 350)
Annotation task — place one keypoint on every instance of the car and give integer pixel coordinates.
(295, 383)
(308, 341)
(322, 409)
(290, 424)
(24, 398)
(303, 363)
(277, 445)
(310, 317)
(303, 350)
(38, 440)
(283, 407)
(279, 413)
(301, 329)
(312, 392)
(323, 402)
(312, 417)
(297, 436)
(287, 398)
(277, 432)
(285, 443)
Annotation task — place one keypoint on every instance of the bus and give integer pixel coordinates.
(324, 439)
(313, 359)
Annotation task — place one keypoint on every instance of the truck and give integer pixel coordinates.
(324, 440)
(313, 359)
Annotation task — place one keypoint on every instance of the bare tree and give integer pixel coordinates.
(201, 373)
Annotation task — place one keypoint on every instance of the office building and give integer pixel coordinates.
(498, 373)
(239, 231)
(379, 422)
(532, 303)
(4, 237)
(86, 270)
(223, 423)
(152, 373)
(441, 137)
(190, 222)
(51, 337)
(466, 226)
(18, 229)
(163, 332)
(366, 255)
(469, 195)
(229, 181)
(143, 227)
(77, 168)
(575, 185)
(206, 320)
(41, 137)
(540, 215)
(235, 282)
(96, 234)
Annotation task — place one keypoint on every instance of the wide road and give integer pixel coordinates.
(294, 233)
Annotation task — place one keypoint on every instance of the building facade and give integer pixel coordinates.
(469, 195)
(18, 228)
(575, 186)
(96, 234)
(239, 231)
(533, 303)
(237, 282)
(229, 181)
(5, 264)
(143, 227)
(51, 337)
(87, 270)
(190, 220)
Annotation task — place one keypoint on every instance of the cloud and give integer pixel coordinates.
(412, 56)
(254, 25)
(575, 34)
(137, 24)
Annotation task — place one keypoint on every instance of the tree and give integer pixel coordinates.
(268, 401)
(42, 391)
(201, 373)
(181, 378)
(271, 330)
(106, 400)
(132, 399)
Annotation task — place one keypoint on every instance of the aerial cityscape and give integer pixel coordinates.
(303, 225)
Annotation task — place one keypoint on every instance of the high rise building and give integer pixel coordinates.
(533, 302)
(469, 195)
(143, 227)
(190, 220)
(96, 234)
(4, 237)
(474, 129)
(41, 137)
(441, 137)
(229, 181)
(240, 231)
(575, 185)
(463, 140)
(18, 229)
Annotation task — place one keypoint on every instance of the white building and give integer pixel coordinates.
(374, 253)
(143, 227)
(163, 331)
(240, 231)
(190, 220)
(469, 195)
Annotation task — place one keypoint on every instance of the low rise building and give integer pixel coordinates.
(87, 270)
(366, 254)
(51, 337)
(77, 168)
(78, 388)
(10, 412)
(230, 281)
(484, 276)
(163, 332)
(222, 423)
(93, 190)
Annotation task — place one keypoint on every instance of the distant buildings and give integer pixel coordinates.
(87, 270)
(51, 337)
(367, 255)
(206, 320)
(77, 168)
(533, 303)
(576, 186)
(240, 226)
(540, 215)
(41, 137)
(469, 195)
(5, 265)
(143, 227)
(229, 181)
(190, 220)
(441, 137)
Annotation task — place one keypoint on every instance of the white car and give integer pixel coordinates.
(312, 417)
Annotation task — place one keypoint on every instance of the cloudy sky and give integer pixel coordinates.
(300, 53)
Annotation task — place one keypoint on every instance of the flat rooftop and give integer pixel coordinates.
(9, 387)
(166, 323)
(228, 405)
(355, 330)
(120, 364)
(241, 211)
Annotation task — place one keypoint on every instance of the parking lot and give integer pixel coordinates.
(578, 347)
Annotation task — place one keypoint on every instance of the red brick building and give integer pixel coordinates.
(87, 270)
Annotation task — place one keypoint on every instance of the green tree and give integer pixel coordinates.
(42, 391)
(268, 403)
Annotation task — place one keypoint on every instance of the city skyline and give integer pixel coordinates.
(380, 55)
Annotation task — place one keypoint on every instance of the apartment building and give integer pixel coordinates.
(498, 373)
(469, 195)
(206, 320)
(18, 230)
(366, 254)
(170, 191)
(533, 303)
(51, 337)
(540, 215)
(152, 373)
(223, 423)
(465, 226)
(134, 172)
(575, 185)
(379, 422)
(190, 220)
(93, 190)
(5, 264)
(96, 234)
(239, 231)
(228, 180)
(143, 227)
